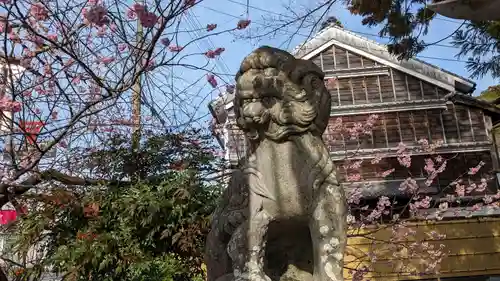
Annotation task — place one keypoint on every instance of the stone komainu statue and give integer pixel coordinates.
(283, 215)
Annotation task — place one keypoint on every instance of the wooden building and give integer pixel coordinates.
(413, 100)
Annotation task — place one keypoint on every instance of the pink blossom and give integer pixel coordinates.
(442, 167)
(429, 181)
(474, 170)
(376, 159)
(423, 142)
(370, 122)
(409, 185)
(439, 159)
(122, 47)
(52, 37)
(443, 206)
(425, 203)
(429, 166)
(39, 12)
(354, 196)
(358, 274)
(138, 8)
(212, 54)
(189, 3)
(54, 115)
(131, 14)
(175, 48)
(354, 165)
(107, 60)
(482, 186)
(487, 199)
(435, 235)
(165, 41)
(387, 172)
(460, 190)
(97, 15)
(242, 24)
(76, 80)
(148, 19)
(381, 209)
(476, 207)
(10, 105)
(401, 148)
(211, 27)
(404, 160)
(337, 126)
(37, 40)
(353, 177)
(470, 188)
(211, 80)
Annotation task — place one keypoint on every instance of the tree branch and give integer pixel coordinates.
(50, 175)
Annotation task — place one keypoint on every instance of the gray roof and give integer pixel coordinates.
(345, 38)
(338, 35)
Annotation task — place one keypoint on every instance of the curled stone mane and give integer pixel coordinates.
(278, 96)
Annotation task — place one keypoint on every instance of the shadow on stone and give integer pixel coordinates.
(289, 255)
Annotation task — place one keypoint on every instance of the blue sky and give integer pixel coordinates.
(227, 12)
(189, 106)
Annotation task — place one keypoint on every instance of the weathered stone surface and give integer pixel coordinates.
(283, 214)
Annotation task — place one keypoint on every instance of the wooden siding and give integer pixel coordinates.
(473, 248)
(456, 125)
(421, 113)
(394, 87)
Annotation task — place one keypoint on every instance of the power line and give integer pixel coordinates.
(355, 31)
(247, 5)
(307, 36)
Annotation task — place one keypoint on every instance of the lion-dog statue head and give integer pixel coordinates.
(278, 96)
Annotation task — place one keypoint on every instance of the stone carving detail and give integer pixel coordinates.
(283, 214)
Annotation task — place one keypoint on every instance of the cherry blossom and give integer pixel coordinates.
(107, 60)
(211, 80)
(242, 24)
(39, 12)
(165, 41)
(211, 27)
(175, 48)
(97, 15)
(10, 105)
(214, 53)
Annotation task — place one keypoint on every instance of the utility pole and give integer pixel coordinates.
(137, 90)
